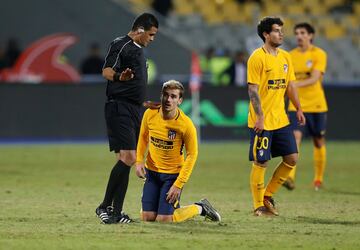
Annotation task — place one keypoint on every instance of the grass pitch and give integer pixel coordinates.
(48, 194)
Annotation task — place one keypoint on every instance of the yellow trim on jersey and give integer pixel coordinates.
(272, 74)
(312, 97)
(165, 140)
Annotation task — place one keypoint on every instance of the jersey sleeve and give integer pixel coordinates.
(191, 146)
(254, 67)
(112, 57)
(143, 139)
(320, 61)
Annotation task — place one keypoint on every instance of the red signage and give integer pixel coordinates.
(42, 62)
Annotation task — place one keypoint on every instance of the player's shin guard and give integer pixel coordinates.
(185, 213)
(257, 176)
(280, 175)
(319, 162)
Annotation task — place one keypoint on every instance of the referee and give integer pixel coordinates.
(126, 72)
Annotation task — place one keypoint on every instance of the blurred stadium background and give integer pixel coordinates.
(221, 32)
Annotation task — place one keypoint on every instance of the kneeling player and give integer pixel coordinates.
(165, 131)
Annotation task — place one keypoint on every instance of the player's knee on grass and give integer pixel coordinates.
(164, 218)
(148, 216)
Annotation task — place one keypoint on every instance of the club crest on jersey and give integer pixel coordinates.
(172, 134)
(285, 68)
(309, 63)
(261, 152)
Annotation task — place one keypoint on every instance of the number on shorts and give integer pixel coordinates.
(262, 143)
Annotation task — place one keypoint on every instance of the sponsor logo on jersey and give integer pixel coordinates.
(159, 143)
(277, 84)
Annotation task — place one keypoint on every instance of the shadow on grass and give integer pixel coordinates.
(326, 221)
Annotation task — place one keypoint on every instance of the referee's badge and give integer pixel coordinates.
(172, 134)
(286, 68)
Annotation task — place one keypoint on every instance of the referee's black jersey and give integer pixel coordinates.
(124, 53)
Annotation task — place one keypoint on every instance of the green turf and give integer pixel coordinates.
(48, 194)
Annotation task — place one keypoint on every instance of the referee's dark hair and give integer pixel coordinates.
(146, 21)
(310, 29)
(265, 25)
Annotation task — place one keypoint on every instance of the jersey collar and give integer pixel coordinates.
(266, 52)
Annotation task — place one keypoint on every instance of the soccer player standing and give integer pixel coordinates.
(165, 132)
(126, 72)
(270, 78)
(309, 65)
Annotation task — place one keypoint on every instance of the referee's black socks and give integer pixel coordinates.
(120, 191)
(117, 186)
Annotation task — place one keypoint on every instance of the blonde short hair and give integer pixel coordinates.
(173, 84)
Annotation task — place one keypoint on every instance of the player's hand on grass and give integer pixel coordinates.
(126, 75)
(173, 194)
(151, 104)
(140, 170)
(300, 117)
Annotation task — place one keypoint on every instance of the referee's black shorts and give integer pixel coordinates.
(123, 120)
